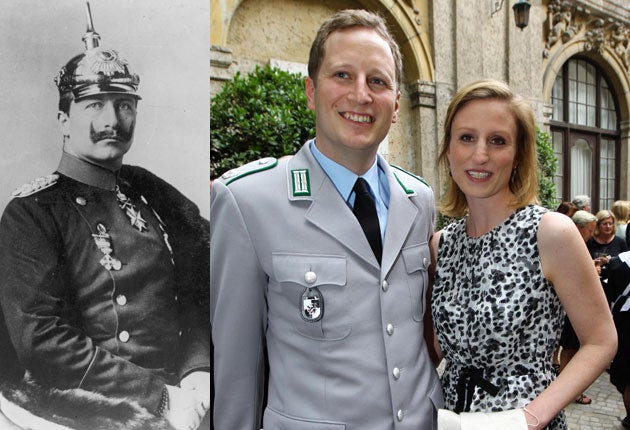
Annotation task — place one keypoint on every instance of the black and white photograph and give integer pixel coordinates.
(104, 235)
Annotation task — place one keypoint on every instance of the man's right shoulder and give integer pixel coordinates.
(252, 168)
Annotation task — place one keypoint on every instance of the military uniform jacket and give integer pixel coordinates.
(293, 277)
(93, 302)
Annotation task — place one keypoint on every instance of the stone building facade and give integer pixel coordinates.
(571, 62)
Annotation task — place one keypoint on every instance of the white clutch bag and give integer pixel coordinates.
(514, 419)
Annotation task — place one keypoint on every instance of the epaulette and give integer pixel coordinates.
(404, 182)
(35, 185)
(248, 169)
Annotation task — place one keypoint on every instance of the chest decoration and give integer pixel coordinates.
(130, 210)
(104, 244)
(312, 305)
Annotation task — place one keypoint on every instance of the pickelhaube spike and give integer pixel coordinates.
(97, 70)
(91, 37)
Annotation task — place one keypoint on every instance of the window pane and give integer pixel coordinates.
(607, 173)
(581, 114)
(590, 116)
(581, 168)
(581, 71)
(608, 112)
(558, 178)
(556, 99)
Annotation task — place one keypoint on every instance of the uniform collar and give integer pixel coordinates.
(87, 173)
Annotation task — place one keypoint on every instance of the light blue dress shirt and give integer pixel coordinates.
(344, 180)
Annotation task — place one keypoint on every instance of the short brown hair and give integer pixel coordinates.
(347, 19)
(524, 180)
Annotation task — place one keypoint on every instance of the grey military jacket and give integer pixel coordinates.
(294, 281)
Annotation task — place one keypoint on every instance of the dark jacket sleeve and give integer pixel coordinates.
(41, 320)
(618, 274)
(189, 235)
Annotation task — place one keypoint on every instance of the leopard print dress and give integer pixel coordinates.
(498, 320)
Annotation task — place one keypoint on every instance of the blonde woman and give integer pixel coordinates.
(621, 211)
(502, 272)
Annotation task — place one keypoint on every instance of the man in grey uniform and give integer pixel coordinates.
(334, 299)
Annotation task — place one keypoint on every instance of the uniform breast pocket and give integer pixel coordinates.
(311, 295)
(417, 259)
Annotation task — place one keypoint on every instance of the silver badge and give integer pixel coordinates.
(312, 305)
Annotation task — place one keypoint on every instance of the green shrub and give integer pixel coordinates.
(547, 164)
(263, 114)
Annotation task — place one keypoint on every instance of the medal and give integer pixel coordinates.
(130, 210)
(312, 305)
(103, 241)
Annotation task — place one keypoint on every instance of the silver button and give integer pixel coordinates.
(123, 336)
(121, 300)
(179, 333)
(176, 298)
(396, 372)
(81, 201)
(310, 277)
(400, 415)
(385, 286)
(390, 329)
(425, 262)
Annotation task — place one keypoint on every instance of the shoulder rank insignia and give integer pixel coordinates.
(249, 168)
(35, 186)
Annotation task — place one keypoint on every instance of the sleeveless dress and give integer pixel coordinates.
(497, 319)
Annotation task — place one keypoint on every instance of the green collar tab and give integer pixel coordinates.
(301, 183)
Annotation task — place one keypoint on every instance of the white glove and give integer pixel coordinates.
(514, 419)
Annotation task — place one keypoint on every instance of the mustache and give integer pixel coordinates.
(116, 133)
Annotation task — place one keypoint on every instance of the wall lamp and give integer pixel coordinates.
(521, 11)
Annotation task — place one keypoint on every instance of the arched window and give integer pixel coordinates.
(585, 133)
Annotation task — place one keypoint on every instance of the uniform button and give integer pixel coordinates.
(81, 201)
(425, 262)
(179, 333)
(123, 336)
(121, 300)
(390, 329)
(176, 298)
(400, 415)
(396, 372)
(310, 277)
(385, 286)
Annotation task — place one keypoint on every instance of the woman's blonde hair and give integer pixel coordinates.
(621, 210)
(524, 180)
(601, 216)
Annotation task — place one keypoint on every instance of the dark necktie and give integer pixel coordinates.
(365, 211)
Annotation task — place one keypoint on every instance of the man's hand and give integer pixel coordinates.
(199, 382)
(185, 410)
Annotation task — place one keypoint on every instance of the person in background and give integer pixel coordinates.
(621, 210)
(320, 261)
(104, 271)
(570, 344)
(501, 273)
(567, 208)
(583, 202)
(619, 282)
(605, 244)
